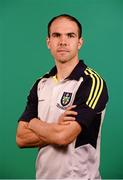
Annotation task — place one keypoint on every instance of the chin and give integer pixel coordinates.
(63, 60)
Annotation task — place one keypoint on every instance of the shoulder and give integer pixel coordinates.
(92, 74)
(40, 80)
(94, 80)
(93, 90)
(97, 87)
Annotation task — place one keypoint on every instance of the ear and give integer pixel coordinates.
(48, 42)
(80, 43)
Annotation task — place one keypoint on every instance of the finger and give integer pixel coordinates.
(69, 118)
(71, 107)
(67, 113)
(64, 122)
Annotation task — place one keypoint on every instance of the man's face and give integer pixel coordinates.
(64, 41)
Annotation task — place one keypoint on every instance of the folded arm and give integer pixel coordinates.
(61, 133)
(39, 133)
(25, 137)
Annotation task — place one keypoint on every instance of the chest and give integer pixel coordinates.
(54, 98)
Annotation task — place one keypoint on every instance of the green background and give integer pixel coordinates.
(24, 57)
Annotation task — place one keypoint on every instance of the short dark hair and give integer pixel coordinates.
(67, 17)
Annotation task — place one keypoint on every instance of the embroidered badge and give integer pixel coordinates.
(66, 98)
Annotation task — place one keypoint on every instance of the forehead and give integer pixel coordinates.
(63, 25)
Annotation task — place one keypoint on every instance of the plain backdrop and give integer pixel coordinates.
(24, 57)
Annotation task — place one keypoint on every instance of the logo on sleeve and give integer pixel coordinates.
(66, 97)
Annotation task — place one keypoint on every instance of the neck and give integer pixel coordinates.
(64, 69)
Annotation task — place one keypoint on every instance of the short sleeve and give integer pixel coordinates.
(91, 99)
(31, 111)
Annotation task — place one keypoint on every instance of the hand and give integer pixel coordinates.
(67, 116)
(33, 122)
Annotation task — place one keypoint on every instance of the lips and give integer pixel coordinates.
(62, 50)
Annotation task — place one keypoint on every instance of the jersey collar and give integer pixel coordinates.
(77, 72)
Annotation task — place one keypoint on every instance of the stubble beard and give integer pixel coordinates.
(64, 60)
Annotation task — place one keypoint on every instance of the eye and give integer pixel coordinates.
(71, 35)
(56, 35)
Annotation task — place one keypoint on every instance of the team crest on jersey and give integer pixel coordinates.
(66, 98)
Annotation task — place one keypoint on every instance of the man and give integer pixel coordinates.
(65, 109)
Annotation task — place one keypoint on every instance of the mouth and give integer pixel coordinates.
(62, 50)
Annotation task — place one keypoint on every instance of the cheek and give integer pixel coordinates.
(53, 45)
(75, 47)
(53, 49)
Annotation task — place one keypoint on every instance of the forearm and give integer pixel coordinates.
(53, 133)
(46, 131)
(25, 137)
(29, 139)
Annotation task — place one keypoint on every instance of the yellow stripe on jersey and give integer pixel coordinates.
(55, 79)
(96, 88)
(95, 92)
(96, 100)
(92, 88)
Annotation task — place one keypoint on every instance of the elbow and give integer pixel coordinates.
(62, 140)
(20, 142)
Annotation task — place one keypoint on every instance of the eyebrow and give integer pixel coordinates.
(70, 33)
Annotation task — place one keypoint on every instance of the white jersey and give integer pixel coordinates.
(86, 89)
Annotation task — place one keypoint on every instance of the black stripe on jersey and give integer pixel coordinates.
(31, 109)
(96, 88)
(90, 135)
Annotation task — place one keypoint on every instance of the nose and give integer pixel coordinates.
(62, 41)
